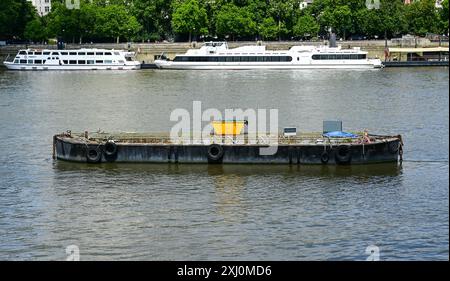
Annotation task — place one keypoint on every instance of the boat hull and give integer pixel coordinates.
(33, 67)
(76, 151)
(248, 66)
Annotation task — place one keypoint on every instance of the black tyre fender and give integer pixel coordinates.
(93, 154)
(343, 154)
(110, 148)
(215, 152)
(325, 157)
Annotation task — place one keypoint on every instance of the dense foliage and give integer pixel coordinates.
(153, 20)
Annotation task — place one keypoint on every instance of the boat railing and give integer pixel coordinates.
(9, 58)
(242, 139)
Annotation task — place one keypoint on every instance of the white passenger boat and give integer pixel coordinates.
(82, 59)
(217, 55)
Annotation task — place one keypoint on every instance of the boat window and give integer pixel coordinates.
(339, 57)
(81, 62)
(117, 53)
(30, 61)
(30, 53)
(72, 62)
(38, 61)
(43, 62)
(121, 61)
(64, 53)
(73, 53)
(38, 53)
(23, 61)
(233, 58)
(46, 53)
(99, 54)
(90, 62)
(99, 61)
(55, 54)
(90, 53)
(81, 53)
(108, 61)
(22, 53)
(213, 44)
(108, 54)
(16, 61)
(65, 61)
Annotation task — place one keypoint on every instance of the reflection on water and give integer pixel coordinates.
(323, 171)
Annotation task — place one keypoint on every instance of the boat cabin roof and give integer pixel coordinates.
(419, 50)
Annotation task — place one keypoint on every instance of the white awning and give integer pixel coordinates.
(418, 50)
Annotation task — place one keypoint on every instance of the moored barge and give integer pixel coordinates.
(301, 149)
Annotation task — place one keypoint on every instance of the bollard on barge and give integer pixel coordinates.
(298, 149)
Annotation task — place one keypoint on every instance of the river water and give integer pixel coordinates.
(182, 212)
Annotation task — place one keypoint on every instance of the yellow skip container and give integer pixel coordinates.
(231, 127)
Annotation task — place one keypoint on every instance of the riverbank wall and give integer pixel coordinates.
(146, 52)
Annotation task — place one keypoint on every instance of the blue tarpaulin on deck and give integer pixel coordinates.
(339, 134)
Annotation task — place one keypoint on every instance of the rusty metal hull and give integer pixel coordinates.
(323, 154)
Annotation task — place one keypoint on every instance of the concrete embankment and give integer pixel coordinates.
(146, 52)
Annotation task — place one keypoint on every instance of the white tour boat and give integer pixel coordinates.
(217, 55)
(82, 59)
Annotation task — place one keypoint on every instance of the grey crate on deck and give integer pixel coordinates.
(331, 126)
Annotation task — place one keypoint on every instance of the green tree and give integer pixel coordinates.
(35, 31)
(113, 21)
(339, 19)
(443, 14)
(154, 16)
(87, 20)
(234, 21)
(423, 17)
(190, 17)
(306, 26)
(393, 18)
(14, 17)
(284, 12)
(268, 29)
